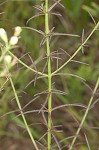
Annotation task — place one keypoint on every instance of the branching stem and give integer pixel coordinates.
(76, 50)
(21, 62)
(85, 115)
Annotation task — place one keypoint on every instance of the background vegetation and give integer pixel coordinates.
(74, 19)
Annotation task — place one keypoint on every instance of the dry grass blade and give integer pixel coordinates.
(95, 128)
(82, 41)
(56, 52)
(14, 98)
(76, 61)
(60, 4)
(24, 55)
(80, 62)
(92, 106)
(57, 126)
(62, 148)
(35, 16)
(87, 142)
(42, 136)
(33, 29)
(67, 138)
(65, 52)
(10, 113)
(68, 74)
(56, 14)
(55, 91)
(45, 66)
(43, 106)
(87, 86)
(31, 101)
(41, 145)
(92, 18)
(40, 93)
(61, 141)
(57, 58)
(43, 115)
(65, 34)
(57, 131)
(32, 124)
(34, 81)
(58, 145)
(32, 62)
(43, 41)
(45, 36)
(38, 7)
(28, 112)
(53, 5)
(69, 105)
(73, 116)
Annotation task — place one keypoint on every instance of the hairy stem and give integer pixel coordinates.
(22, 114)
(85, 115)
(49, 74)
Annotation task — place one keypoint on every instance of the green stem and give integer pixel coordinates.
(85, 115)
(21, 62)
(76, 51)
(20, 108)
(49, 74)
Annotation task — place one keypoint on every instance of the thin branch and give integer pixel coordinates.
(92, 18)
(34, 81)
(28, 112)
(65, 34)
(76, 50)
(56, 141)
(69, 74)
(38, 31)
(85, 115)
(69, 105)
(21, 62)
(53, 5)
(23, 117)
(31, 101)
(37, 15)
(87, 142)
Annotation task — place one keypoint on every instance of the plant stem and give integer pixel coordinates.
(49, 74)
(76, 50)
(22, 114)
(85, 115)
(21, 62)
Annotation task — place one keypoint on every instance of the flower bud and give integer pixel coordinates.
(8, 59)
(18, 30)
(13, 40)
(3, 35)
